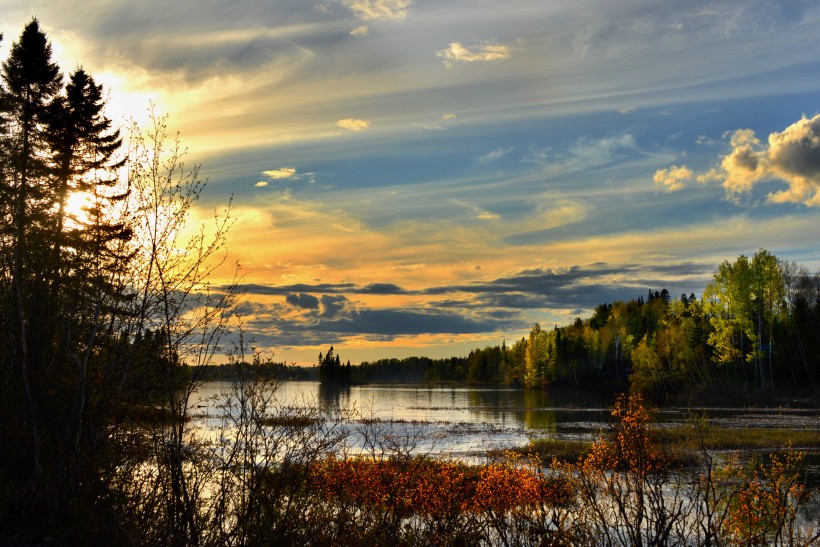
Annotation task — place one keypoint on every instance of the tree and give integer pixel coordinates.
(769, 307)
(99, 309)
(746, 300)
(169, 289)
(729, 304)
(31, 82)
(538, 367)
(331, 371)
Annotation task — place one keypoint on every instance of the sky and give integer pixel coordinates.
(425, 177)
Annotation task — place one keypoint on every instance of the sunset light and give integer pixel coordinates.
(439, 154)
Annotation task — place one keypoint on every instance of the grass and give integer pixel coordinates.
(684, 441)
(688, 437)
(563, 450)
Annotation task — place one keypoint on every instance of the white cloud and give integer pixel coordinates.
(458, 52)
(627, 110)
(673, 178)
(353, 124)
(791, 156)
(448, 116)
(261, 184)
(359, 32)
(369, 10)
(283, 173)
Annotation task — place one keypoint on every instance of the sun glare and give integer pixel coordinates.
(76, 207)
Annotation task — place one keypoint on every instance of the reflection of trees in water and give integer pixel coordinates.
(538, 410)
(334, 396)
(517, 408)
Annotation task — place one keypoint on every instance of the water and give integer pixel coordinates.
(468, 421)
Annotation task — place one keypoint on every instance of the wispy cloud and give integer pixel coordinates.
(378, 9)
(353, 124)
(478, 212)
(587, 152)
(457, 52)
(494, 155)
(558, 210)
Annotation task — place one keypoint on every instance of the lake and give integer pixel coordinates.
(465, 422)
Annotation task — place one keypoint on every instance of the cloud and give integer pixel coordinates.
(334, 305)
(791, 156)
(369, 10)
(324, 288)
(478, 212)
(359, 32)
(353, 124)
(383, 288)
(601, 151)
(394, 322)
(448, 116)
(627, 110)
(586, 153)
(303, 301)
(557, 210)
(261, 184)
(673, 178)
(491, 305)
(565, 288)
(283, 173)
(457, 52)
(494, 155)
(428, 126)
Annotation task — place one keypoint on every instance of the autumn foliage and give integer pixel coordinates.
(435, 487)
(627, 490)
(433, 498)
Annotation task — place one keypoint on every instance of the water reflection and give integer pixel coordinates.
(474, 418)
(334, 396)
(544, 412)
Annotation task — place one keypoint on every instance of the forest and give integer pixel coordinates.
(755, 329)
(109, 325)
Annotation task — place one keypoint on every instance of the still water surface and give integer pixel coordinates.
(465, 421)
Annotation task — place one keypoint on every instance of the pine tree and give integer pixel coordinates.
(31, 83)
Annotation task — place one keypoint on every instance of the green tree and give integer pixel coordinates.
(729, 305)
(747, 300)
(769, 308)
(538, 365)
